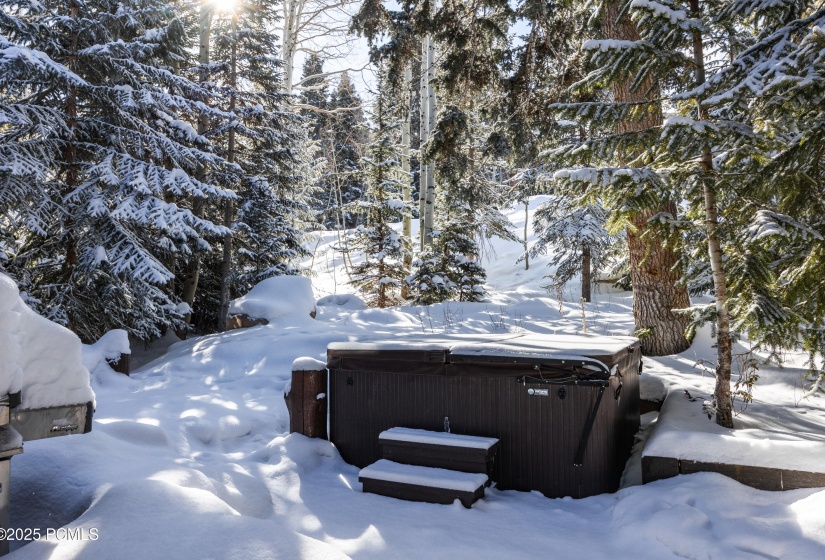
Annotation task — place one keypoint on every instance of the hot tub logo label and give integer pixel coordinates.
(538, 392)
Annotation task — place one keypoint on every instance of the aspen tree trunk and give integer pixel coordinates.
(526, 220)
(228, 208)
(292, 13)
(724, 405)
(406, 228)
(429, 208)
(193, 270)
(654, 269)
(424, 134)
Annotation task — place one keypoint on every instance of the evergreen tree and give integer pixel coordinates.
(381, 275)
(766, 107)
(314, 96)
(347, 140)
(577, 237)
(716, 150)
(260, 136)
(117, 144)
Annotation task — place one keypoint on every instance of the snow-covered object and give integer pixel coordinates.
(308, 364)
(391, 471)
(683, 431)
(437, 438)
(343, 301)
(11, 374)
(111, 346)
(557, 346)
(279, 296)
(40, 358)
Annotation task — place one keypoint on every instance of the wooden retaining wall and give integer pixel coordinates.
(762, 478)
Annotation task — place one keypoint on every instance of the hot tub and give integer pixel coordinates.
(564, 407)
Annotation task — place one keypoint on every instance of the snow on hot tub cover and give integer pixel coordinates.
(537, 347)
(38, 357)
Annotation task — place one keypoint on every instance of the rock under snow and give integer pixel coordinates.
(110, 347)
(40, 358)
(277, 297)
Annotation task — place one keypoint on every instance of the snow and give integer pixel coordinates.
(308, 364)
(110, 347)
(190, 457)
(684, 432)
(697, 126)
(556, 347)
(40, 358)
(604, 45)
(437, 438)
(391, 471)
(275, 298)
(661, 10)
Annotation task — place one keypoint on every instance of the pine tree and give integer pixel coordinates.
(314, 96)
(260, 136)
(729, 120)
(347, 139)
(382, 274)
(766, 106)
(120, 144)
(577, 236)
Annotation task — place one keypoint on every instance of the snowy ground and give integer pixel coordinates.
(189, 458)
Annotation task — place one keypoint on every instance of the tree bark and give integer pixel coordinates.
(406, 228)
(71, 176)
(423, 134)
(721, 394)
(654, 268)
(587, 279)
(429, 218)
(291, 13)
(193, 268)
(526, 223)
(228, 208)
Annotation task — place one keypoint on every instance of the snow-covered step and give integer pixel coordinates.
(422, 484)
(457, 452)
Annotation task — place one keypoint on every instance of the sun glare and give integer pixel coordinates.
(224, 6)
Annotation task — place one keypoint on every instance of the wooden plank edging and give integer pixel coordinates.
(762, 478)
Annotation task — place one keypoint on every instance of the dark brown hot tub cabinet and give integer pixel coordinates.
(565, 408)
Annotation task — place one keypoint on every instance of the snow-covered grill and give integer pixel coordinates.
(564, 408)
(10, 445)
(45, 389)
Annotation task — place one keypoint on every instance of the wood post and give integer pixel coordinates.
(122, 365)
(306, 401)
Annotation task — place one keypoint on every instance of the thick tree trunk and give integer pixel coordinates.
(655, 274)
(587, 279)
(654, 269)
(724, 405)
